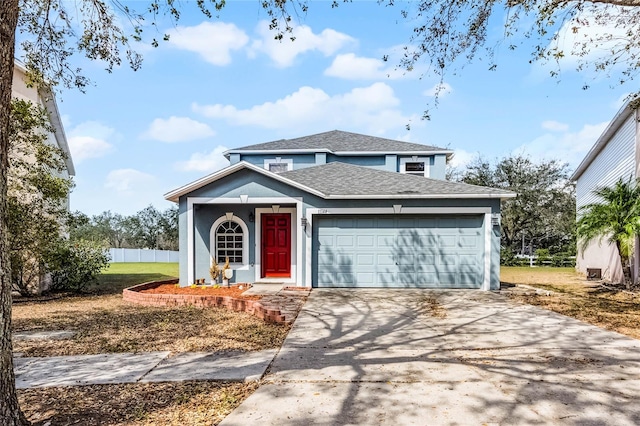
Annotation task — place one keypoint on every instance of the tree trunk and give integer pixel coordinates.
(10, 414)
(625, 262)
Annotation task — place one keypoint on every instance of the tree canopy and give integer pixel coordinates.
(542, 216)
(149, 228)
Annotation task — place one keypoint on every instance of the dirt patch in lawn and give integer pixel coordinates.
(105, 324)
(186, 403)
(572, 295)
(235, 291)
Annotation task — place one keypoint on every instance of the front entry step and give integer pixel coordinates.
(264, 288)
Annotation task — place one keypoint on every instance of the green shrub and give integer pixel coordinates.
(543, 257)
(507, 258)
(75, 265)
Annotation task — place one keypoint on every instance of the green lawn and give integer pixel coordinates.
(119, 276)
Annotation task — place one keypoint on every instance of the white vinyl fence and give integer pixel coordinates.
(142, 255)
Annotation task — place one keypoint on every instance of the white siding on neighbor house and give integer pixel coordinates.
(615, 161)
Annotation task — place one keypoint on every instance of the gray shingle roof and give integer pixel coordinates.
(339, 141)
(342, 179)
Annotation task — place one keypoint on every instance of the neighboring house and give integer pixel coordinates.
(613, 156)
(340, 209)
(43, 97)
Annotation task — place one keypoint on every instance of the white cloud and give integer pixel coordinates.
(204, 162)
(461, 158)
(284, 52)
(177, 129)
(351, 67)
(90, 140)
(438, 89)
(128, 181)
(568, 147)
(374, 109)
(555, 126)
(213, 41)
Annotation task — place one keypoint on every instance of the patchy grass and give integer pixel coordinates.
(105, 323)
(186, 403)
(574, 296)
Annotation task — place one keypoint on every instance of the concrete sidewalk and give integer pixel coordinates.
(141, 367)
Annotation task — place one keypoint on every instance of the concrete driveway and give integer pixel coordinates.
(402, 357)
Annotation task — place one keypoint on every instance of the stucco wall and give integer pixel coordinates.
(604, 256)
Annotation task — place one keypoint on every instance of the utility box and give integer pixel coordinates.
(594, 274)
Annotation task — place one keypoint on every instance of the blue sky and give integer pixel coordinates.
(224, 83)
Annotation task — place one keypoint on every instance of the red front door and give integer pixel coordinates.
(276, 245)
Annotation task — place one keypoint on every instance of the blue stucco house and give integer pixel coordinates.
(340, 209)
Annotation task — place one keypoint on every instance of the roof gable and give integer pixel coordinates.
(618, 120)
(340, 142)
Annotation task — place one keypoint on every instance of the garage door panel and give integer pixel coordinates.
(386, 279)
(368, 259)
(446, 241)
(446, 278)
(424, 278)
(385, 240)
(365, 241)
(426, 259)
(447, 260)
(325, 278)
(345, 278)
(468, 241)
(366, 278)
(345, 241)
(399, 251)
(385, 259)
(427, 241)
(345, 259)
(468, 259)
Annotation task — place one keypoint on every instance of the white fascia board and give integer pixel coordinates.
(419, 196)
(190, 187)
(621, 116)
(448, 153)
(274, 151)
(400, 153)
(56, 122)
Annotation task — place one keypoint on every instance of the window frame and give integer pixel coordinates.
(425, 160)
(213, 242)
(278, 160)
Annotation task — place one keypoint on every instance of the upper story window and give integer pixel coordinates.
(414, 168)
(278, 164)
(418, 166)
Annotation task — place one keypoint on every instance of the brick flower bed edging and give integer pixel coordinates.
(253, 307)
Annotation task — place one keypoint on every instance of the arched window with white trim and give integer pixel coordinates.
(229, 239)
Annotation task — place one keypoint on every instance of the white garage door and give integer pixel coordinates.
(398, 251)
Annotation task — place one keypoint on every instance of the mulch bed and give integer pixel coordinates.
(234, 291)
